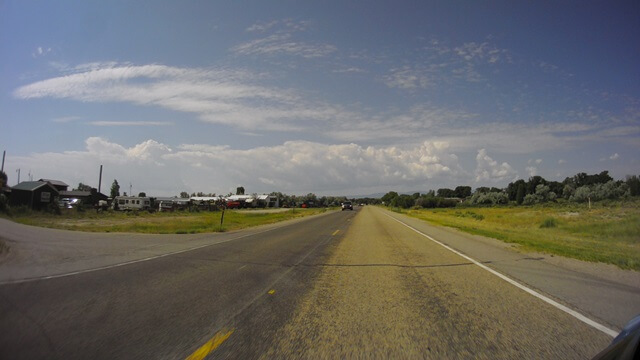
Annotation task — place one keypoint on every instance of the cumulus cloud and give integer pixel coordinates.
(293, 167)
(614, 156)
(490, 170)
(532, 170)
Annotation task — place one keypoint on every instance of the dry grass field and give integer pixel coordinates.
(608, 232)
(160, 223)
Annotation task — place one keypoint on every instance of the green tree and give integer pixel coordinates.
(83, 187)
(142, 194)
(184, 195)
(446, 193)
(240, 190)
(533, 182)
(520, 193)
(3, 179)
(388, 197)
(512, 189)
(115, 189)
(633, 182)
(463, 191)
(403, 201)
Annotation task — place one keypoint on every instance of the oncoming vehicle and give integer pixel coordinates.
(127, 203)
(347, 206)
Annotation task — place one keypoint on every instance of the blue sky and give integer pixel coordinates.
(333, 97)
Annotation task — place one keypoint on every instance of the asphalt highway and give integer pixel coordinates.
(342, 285)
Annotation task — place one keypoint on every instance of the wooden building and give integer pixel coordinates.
(35, 194)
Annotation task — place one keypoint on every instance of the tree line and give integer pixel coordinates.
(578, 188)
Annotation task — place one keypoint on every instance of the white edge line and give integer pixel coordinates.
(552, 302)
(20, 281)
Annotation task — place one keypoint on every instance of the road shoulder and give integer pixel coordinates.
(601, 291)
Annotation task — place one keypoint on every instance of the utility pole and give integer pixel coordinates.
(130, 187)
(100, 179)
(3, 155)
(18, 171)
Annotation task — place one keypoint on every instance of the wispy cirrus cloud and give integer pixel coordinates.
(130, 123)
(66, 119)
(281, 41)
(214, 95)
(241, 100)
(277, 44)
(407, 78)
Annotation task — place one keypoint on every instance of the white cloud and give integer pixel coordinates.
(293, 167)
(406, 78)
(283, 44)
(561, 161)
(41, 51)
(65, 119)
(481, 52)
(352, 69)
(490, 170)
(235, 98)
(130, 123)
(286, 25)
(532, 170)
(614, 156)
(214, 95)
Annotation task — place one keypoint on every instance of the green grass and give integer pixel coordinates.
(608, 233)
(549, 223)
(158, 223)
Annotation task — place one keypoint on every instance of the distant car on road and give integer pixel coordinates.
(347, 206)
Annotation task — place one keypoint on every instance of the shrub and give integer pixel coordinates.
(489, 198)
(549, 223)
(53, 208)
(4, 203)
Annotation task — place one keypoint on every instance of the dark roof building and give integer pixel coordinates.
(59, 185)
(34, 194)
(88, 197)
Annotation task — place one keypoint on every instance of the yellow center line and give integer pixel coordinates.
(335, 233)
(211, 345)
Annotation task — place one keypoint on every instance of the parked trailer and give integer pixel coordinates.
(126, 203)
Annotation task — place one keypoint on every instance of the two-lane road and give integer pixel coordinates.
(342, 285)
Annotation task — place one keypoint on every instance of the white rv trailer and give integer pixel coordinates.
(131, 203)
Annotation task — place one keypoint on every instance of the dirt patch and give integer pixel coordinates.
(570, 214)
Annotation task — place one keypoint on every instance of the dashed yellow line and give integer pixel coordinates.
(211, 345)
(335, 233)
